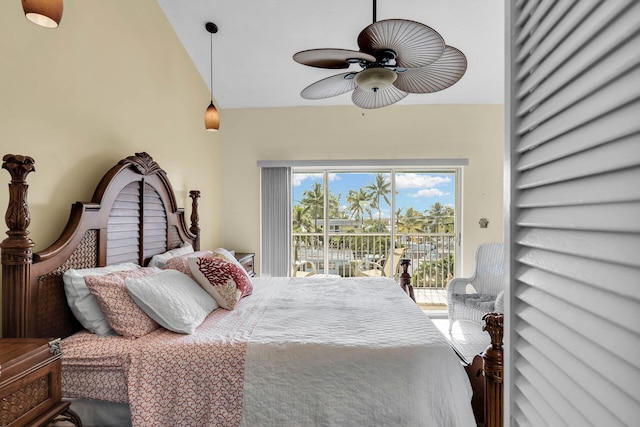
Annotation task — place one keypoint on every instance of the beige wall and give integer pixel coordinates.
(112, 80)
(397, 132)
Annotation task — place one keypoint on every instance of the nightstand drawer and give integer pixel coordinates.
(29, 382)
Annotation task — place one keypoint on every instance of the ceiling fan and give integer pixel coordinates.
(397, 57)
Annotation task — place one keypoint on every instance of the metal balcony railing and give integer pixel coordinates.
(432, 255)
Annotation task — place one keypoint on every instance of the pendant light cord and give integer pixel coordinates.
(211, 65)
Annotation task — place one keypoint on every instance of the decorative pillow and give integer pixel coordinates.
(230, 257)
(120, 310)
(172, 299)
(82, 303)
(224, 281)
(161, 259)
(180, 262)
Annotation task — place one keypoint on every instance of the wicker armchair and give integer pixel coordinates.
(487, 280)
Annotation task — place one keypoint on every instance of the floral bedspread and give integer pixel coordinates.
(167, 378)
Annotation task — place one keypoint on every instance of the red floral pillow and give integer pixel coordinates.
(223, 280)
(120, 310)
(180, 262)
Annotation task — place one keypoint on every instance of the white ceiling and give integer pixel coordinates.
(253, 49)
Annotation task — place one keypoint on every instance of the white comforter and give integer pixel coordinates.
(349, 352)
(316, 352)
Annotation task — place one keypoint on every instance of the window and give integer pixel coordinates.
(361, 222)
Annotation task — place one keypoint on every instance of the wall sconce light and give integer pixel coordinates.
(211, 116)
(46, 13)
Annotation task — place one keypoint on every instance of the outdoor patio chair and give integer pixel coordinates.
(373, 269)
(304, 269)
(487, 282)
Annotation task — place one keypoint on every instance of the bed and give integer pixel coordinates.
(297, 351)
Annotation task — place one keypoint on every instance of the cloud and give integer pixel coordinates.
(414, 180)
(429, 192)
(299, 178)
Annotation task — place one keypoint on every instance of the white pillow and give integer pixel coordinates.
(82, 303)
(172, 299)
(161, 259)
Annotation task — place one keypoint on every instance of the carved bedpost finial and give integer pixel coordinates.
(17, 216)
(493, 369)
(493, 323)
(405, 277)
(195, 228)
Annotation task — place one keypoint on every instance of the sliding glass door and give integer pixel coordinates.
(361, 222)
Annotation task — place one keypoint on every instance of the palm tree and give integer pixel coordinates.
(300, 221)
(334, 206)
(314, 200)
(412, 222)
(439, 215)
(398, 219)
(379, 190)
(359, 202)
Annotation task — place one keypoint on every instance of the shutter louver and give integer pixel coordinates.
(574, 114)
(155, 223)
(123, 228)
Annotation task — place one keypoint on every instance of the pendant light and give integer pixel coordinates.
(46, 13)
(211, 116)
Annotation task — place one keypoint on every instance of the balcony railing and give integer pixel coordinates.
(432, 255)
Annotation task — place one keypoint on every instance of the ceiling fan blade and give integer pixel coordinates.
(331, 58)
(441, 74)
(331, 86)
(415, 44)
(383, 97)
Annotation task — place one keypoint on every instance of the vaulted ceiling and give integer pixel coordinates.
(255, 42)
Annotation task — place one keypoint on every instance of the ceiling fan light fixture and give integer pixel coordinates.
(375, 79)
(46, 13)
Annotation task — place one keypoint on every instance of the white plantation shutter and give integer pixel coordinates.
(573, 171)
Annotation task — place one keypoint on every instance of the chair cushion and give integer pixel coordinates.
(481, 302)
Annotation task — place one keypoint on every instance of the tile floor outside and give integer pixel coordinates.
(467, 337)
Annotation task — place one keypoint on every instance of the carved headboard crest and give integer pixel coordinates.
(143, 163)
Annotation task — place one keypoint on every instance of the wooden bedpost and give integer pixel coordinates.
(493, 368)
(195, 228)
(405, 277)
(17, 250)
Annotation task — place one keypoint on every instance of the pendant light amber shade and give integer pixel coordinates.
(46, 13)
(212, 118)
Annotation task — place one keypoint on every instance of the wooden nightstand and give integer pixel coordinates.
(247, 260)
(30, 384)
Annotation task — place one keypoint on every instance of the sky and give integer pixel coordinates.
(414, 189)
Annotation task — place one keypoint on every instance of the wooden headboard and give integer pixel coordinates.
(131, 217)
